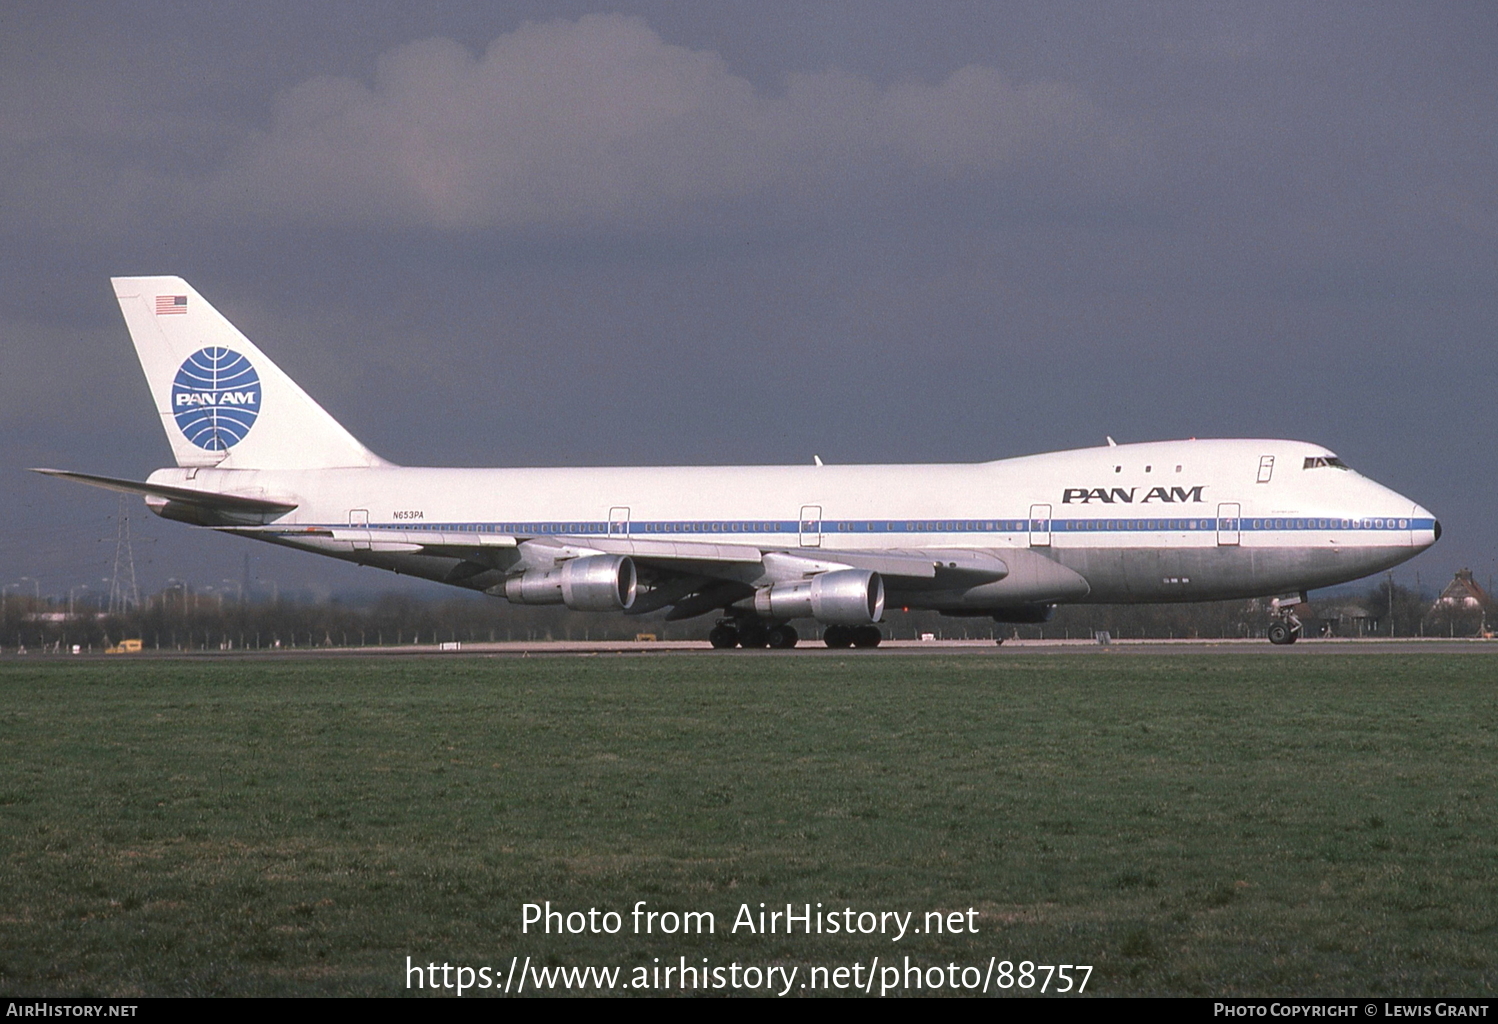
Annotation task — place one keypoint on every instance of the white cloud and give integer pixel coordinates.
(600, 120)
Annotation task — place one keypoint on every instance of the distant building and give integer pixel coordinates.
(1348, 619)
(1462, 592)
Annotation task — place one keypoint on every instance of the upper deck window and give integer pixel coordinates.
(1320, 461)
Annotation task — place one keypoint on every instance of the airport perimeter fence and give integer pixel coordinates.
(179, 619)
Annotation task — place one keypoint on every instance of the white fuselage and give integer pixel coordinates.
(1177, 520)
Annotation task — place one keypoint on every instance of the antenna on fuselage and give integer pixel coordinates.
(1111, 443)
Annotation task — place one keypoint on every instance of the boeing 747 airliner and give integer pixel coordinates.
(761, 546)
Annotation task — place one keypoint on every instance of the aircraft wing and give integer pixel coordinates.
(744, 562)
(693, 577)
(749, 563)
(710, 559)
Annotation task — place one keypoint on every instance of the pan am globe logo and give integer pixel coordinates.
(216, 398)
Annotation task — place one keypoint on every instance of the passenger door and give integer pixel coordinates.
(1040, 526)
(1229, 524)
(811, 526)
(358, 520)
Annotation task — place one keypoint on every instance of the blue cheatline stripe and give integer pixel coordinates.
(833, 527)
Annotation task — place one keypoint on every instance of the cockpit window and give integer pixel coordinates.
(1321, 461)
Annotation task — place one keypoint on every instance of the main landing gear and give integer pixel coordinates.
(753, 633)
(852, 636)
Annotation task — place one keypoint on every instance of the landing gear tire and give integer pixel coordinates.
(867, 636)
(782, 638)
(1281, 633)
(837, 636)
(754, 635)
(723, 636)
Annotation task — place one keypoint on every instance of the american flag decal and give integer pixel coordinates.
(166, 304)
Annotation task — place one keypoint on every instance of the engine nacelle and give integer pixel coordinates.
(597, 583)
(847, 597)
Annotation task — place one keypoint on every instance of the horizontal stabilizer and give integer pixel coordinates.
(205, 508)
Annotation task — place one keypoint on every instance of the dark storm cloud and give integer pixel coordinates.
(532, 233)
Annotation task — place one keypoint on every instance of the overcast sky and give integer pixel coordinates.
(569, 233)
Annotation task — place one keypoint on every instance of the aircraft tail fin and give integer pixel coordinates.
(222, 401)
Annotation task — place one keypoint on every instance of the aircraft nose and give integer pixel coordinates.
(1424, 535)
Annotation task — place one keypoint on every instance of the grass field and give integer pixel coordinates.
(1187, 824)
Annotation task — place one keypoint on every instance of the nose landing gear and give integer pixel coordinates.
(1281, 632)
(1286, 627)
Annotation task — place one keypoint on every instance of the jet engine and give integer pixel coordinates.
(597, 583)
(847, 597)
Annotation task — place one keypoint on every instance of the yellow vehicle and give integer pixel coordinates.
(124, 647)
